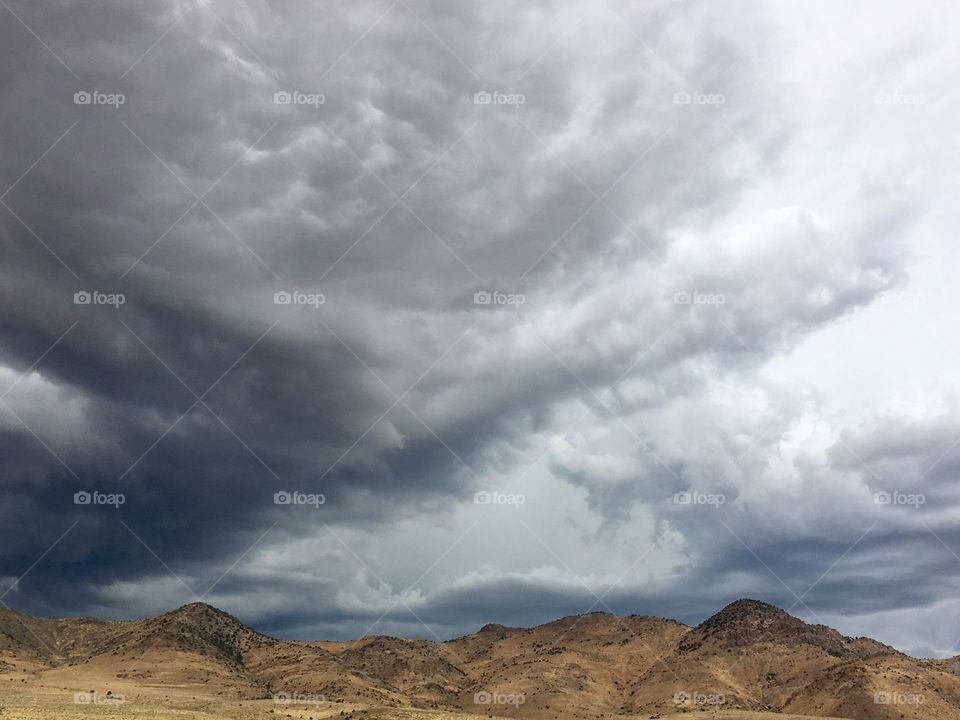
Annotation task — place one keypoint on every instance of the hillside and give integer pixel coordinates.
(748, 657)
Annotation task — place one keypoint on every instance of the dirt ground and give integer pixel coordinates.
(47, 703)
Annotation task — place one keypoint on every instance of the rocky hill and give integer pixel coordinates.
(750, 656)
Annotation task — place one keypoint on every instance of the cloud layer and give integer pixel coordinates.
(577, 255)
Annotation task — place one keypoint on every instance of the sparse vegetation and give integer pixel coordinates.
(200, 663)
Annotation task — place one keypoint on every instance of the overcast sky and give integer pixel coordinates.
(670, 284)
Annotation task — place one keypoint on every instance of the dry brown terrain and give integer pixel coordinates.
(198, 662)
(47, 705)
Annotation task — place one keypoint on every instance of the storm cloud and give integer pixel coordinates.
(664, 283)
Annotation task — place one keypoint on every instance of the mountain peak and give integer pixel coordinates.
(748, 607)
(198, 607)
(201, 613)
(751, 623)
(746, 621)
(492, 628)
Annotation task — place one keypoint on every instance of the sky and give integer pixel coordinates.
(406, 317)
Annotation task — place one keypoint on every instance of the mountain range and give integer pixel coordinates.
(750, 656)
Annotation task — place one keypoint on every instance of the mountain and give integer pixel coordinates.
(750, 656)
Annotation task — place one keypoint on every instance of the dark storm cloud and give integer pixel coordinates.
(302, 184)
(601, 198)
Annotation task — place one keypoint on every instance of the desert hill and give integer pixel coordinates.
(748, 657)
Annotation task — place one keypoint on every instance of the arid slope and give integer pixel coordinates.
(749, 657)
